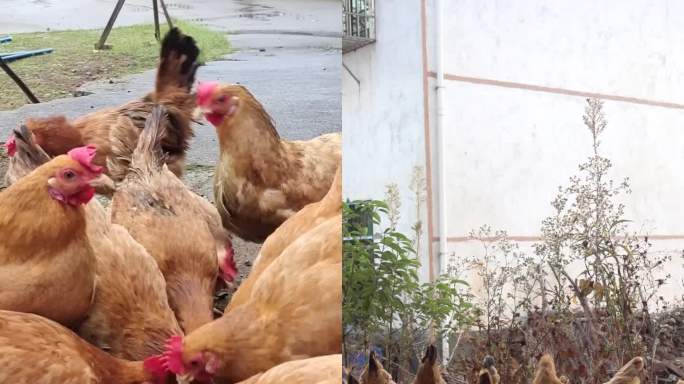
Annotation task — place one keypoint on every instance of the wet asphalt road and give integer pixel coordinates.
(319, 17)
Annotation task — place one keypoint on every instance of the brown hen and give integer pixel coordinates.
(546, 371)
(48, 264)
(114, 131)
(291, 310)
(262, 180)
(318, 370)
(35, 350)
(178, 228)
(130, 316)
(429, 371)
(375, 373)
(629, 373)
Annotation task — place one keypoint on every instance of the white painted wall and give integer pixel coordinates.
(509, 148)
(382, 117)
(512, 148)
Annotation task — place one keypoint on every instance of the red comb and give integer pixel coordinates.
(84, 156)
(156, 366)
(227, 267)
(173, 355)
(11, 146)
(204, 92)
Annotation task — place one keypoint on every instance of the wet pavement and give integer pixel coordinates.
(287, 52)
(281, 16)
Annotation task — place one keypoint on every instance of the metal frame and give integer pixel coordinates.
(19, 82)
(117, 8)
(9, 57)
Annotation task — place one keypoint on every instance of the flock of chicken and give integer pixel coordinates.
(429, 372)
(124, 294)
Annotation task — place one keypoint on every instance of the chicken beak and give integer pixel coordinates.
(102, 184)
(185, 378)
(198, 113)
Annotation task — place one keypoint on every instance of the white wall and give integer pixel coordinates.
(382, 117)
(510, 148)
(511, 144)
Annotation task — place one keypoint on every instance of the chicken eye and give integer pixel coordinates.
(222, 99)
(69, 174)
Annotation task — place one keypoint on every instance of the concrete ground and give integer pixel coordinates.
(287, 52)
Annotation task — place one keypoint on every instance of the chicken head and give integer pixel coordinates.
(74, 184)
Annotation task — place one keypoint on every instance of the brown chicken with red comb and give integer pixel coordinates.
(291, 310)
(48, 265)
(130, 315)
(36, 350)
(180, 229)
(262, 180)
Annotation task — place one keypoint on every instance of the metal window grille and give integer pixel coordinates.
(358, 24)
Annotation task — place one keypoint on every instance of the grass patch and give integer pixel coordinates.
(75, 62)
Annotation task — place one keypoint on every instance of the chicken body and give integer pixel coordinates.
(130, 316)
(291, 311)
(375, 373)
(429, 371)
(316, 370)
(48, 264)
(35, 350)
(629, 373)
(175, 226)
(114, 131)
(262, 180)
(307, 218)
(546, 371)
(488, 373)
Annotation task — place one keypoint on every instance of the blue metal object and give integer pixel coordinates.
(13, 56)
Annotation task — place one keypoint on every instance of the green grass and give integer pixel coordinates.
(75, 61)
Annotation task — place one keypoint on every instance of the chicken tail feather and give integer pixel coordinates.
(26, 156)
(178, 62)
(148, 156)
(485, 377)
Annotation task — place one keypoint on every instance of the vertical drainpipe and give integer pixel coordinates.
(439, 125)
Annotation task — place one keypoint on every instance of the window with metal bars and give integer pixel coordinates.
(358, 23)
